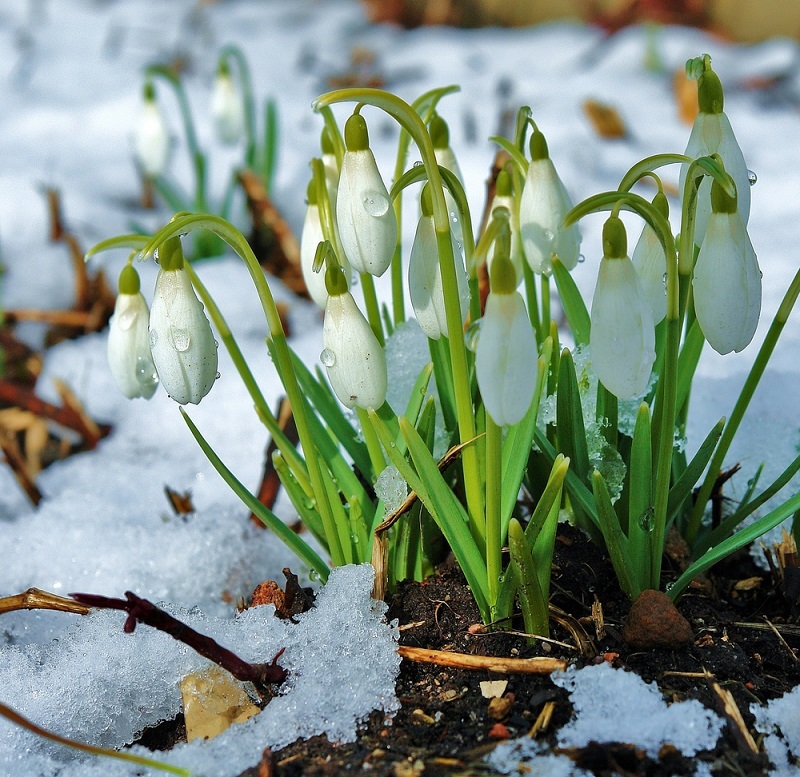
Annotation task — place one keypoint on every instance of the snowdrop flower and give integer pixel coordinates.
(712, 134)
(506, 354)
(227, 106)
(330, 165)
(128, 340)
(150, 136)
(727, 279)
(425, 275)
(367, 224)
(181, 341)
(353, 357)
(504, 198)
(543, 204)
(310, 238)
(650, 262)
(443, 153)
(622, 337)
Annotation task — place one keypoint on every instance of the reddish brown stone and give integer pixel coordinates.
(654, 622)
(499, 731)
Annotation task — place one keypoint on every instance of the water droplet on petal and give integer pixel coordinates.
(153, 338)
(418, 163)
(664, 279)
(375, 203)
(181, 339)
(581, 258)
(126, 319)
(217, 376)
(145, 372)
(472, 335)
(751, 178)
(327, 357)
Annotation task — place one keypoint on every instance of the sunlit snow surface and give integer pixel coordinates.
(70, 83)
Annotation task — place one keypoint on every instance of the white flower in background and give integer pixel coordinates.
(446, 158)
(425, 276)
(504, 198)
(622, 339)
(650, 262)
(712, 134)
(727, 279)
(150, 136)
(227, 107)
(506, 354)
(353, 357)
(364, 213)
(331, 166)
(543, 204)
(129, 355)
(181, 340)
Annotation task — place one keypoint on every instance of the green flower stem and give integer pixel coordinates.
(234, 53)
(408, 118)
(647, 166)
(746, 394)
(283, 357)
(545, 313)
(372, 442)
(198, 157)
(532, 299)
(371, 305)
(494, 539)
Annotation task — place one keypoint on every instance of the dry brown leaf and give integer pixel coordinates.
(605, 119)
(685, 91)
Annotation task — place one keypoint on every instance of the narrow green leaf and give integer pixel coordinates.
(570, 429)
(572, 302)
(688, 361)
(640, 492)
(534, 606)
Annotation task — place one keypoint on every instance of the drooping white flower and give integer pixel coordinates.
(352, 356)
(622, 339)
(425, 277)
(150, 136)
(543, 204)
(364, 213)
(181, 340)
(727, 279)
(129, 357)
(506, 354)
(227, 107)
(504, 198)
(712, 134)
(650, 262)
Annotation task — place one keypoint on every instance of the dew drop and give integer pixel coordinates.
(472, 335)
(181, 339)
(548, 235)
(153, 338)
(327, 357)
(145, 371)
(664, 279)
(314, 575)
(581, 258)
(647, 520)
(375, 203)
(127, 319)
(418, 163)
(217, 376)
(751, 178)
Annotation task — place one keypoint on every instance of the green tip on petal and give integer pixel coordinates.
(661, 204)
(149, 92)
(721, 201)
(325, 142)
(170, 254)
(615, 239)
(538, 146)
(426, 201)
(503, 276)
(129, 280)
(311, 192)
(335, 282)
(223, 69)
(709, 93)
(439, 131)
(503, 184)
(356, 137)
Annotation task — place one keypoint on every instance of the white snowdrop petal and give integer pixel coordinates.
(181, 340)
(310, 238)
(364, 213)
(622, 338)
(505, 359)
(227, 110)
(727, 284)
(543, 204)
(151, 140)
(651, 264)
(129, 357)
(352, 355)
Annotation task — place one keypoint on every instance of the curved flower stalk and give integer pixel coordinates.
(622, 337)
(650, 262)
(727, 279)
(543, 204)
(440, 138)
(367, 224)
(129, 357)
(352, 355)
(506, 354)
(150, 136)
(425, 275)
(712, 134)
(182, 344)
(227, 106)
(504, 198)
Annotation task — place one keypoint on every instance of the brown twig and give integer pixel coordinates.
(486, 663)
(727, 706)
(36, 599)
(17, 464)
(143, 611)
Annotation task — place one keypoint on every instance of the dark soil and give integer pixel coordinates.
(445, 725)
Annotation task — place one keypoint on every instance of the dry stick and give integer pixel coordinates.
(143, 611)
(728, 707)
(782, 640)
(19, 467)
(36, 599)
(486, 663)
